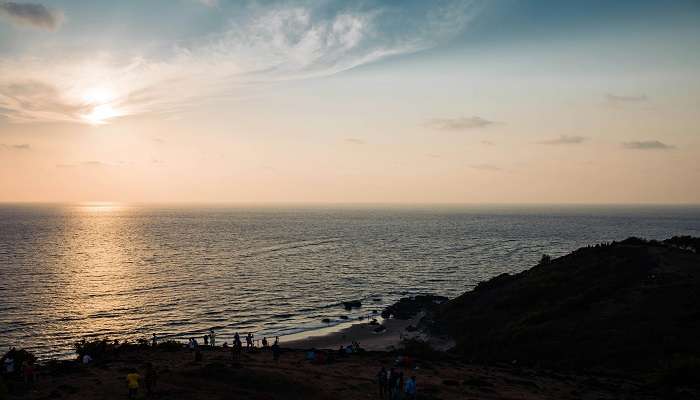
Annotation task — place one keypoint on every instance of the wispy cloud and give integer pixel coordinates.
(275, 43)
(459, 124)
(619, 99)
(565, 139)
(87, 164)
(31, 14)
(354, 141)
(486, 167)
(22, 146)
(647, 145)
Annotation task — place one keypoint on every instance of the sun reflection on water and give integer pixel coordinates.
(100, 207)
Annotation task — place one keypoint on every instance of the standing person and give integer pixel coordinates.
(236, 350)
(410, 388)
(277, 340)
(206, 340)
(9, 364)
(249, 340)
(276, 351)
(382, 381)
(393, 378)
(237, 340)
(29, 373)
(150, 379)
(132, 382)
(212, 338)
(154, 341)
(264, 342)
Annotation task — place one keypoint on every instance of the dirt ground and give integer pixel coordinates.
(257, 376)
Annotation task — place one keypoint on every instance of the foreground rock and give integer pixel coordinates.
(408, 307)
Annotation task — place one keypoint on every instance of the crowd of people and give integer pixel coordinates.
(16, 364)
(393, 386)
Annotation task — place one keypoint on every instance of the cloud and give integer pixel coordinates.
(647, 145)
(459, 124)
(258, 46)
(87, 164)
(209, 3)
(31, 14)
(355, 141)
(94, 164)
(619, 99)
(485, 167)
(22, 146)
(565, 139)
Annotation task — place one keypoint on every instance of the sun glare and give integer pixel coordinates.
(100, 114)
(101, 101)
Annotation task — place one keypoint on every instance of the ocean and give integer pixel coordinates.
(127, 271)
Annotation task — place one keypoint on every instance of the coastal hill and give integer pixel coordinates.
(632, 305)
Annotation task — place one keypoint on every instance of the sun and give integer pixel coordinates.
(101, 103)
(101, 114)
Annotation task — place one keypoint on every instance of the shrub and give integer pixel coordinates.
(170, 345)
(679, 371)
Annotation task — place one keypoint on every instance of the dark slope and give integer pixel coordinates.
(632, 305)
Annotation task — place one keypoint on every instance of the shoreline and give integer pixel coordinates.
(363, 333)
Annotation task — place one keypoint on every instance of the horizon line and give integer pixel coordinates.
(333, 203)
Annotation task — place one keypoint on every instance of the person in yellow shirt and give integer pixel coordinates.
(132, 382)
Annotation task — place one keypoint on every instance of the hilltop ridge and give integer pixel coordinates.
(632, 305)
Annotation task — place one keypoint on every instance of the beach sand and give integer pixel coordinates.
(364, 333)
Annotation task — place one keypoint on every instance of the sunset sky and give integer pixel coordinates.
(499, 101)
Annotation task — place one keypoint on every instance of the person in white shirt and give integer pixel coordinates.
(9, 365)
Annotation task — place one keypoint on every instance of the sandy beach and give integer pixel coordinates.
(364, 333)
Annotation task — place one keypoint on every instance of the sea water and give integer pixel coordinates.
(126, 271)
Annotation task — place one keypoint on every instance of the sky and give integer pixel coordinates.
(332, 101)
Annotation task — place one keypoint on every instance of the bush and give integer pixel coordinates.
(680, 371)
(685, 243)
(170, 345)
(97, 349)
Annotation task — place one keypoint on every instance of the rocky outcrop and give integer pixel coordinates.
(409, 307)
